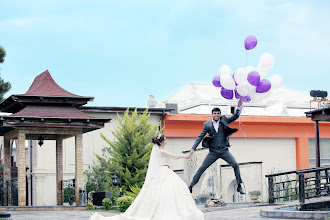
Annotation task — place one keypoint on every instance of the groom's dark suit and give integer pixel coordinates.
(218, 146)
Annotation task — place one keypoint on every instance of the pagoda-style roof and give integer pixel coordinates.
(44, 85)
(43, 91)
(46, 104)
(322, 114)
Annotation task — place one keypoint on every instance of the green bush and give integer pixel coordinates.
(90, 206)
(114, 194)
(124, 202)
(107, 203)
(255, 192)
(135, 191)
(203, 198)
(69, 195)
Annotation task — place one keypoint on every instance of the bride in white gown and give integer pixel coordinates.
(163, 196)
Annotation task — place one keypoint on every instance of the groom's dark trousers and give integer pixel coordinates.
(218, 146)
(213, 155)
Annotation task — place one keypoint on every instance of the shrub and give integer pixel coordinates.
(203, 197)
(69, 195)
(135, 191)
(124, 202)
(107, 203)
(255, 192)
(90, 206)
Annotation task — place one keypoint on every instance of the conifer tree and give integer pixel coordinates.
(130, 152)
(4, 86)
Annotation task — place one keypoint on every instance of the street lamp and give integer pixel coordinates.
(114, 179)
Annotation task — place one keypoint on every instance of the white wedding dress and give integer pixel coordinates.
(163, 196)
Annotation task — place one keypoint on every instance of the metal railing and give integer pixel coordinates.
(8, 193)
(299, 184)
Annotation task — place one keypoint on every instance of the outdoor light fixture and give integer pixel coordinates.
(114, 179)
(40, 141)
(318, 93)
(319, 96)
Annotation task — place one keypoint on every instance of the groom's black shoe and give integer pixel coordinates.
(190, 189)
(240, 190)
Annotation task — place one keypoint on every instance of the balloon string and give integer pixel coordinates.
(245, 57)
(240, 123)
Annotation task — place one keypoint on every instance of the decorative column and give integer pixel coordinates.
(79, 164)
(7, 170)
(29, 177)
(59, 171)
(21, 169)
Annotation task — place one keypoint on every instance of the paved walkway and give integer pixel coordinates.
(249, 213)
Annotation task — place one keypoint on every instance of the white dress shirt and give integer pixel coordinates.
(216, 125)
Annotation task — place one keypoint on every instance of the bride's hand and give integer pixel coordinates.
(190, 154)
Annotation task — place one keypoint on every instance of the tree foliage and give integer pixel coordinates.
(130, 151)
(4, 86)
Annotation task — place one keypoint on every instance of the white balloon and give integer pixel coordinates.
(266, 63)
(225, 70)
(267, 59)
(227, 82)
(267, 94)
(257, 97)
(263, 69)
(249, 69)
(276, 81)
(240, 76)
(251, 88)
(243, 90)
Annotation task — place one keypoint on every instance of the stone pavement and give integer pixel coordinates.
(227, 213)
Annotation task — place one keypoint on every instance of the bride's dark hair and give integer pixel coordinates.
(158, 139)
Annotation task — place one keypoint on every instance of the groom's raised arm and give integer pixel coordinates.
(237, 113)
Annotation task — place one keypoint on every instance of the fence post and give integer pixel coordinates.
(301, 188)
(327, 181)
(271, 190)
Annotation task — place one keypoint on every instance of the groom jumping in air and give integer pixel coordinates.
(218, 143)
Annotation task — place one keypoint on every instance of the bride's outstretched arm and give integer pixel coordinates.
(174, 156)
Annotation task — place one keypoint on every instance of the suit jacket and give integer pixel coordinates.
(208, 128)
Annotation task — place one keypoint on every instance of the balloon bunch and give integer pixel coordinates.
(245, 83)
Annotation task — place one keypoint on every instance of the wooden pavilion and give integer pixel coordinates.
(322, 114)
(45, 112)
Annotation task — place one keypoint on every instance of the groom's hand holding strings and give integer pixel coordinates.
(190, 154)
(240, 102)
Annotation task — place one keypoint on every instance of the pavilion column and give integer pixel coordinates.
(59, 171)
(7, 170)
(21, 169)
(79, 164)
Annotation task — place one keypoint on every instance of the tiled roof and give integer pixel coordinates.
(44, 85)
(51, 111)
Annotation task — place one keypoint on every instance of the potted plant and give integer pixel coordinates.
(203, 198)
(255, 195)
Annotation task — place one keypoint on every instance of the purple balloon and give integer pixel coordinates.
(250, 42)
(237, 96)
(263, 86)
(253, 78)
(246, 98)
(216, 81)
(227, 93)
